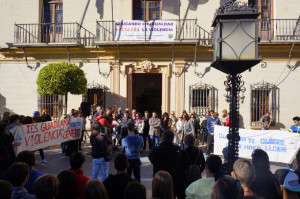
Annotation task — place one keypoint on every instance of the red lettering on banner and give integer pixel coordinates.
(28, 126)
(46, 137)
(27, 140)
(43, 127)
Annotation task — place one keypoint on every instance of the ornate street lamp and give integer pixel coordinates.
(235, 44)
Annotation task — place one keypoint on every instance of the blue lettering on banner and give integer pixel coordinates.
(74, 124)
(272, 141)
(251, 147)
(222, 136)
(276, 149)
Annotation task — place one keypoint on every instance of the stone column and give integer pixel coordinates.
(179, 86)
(114, 85)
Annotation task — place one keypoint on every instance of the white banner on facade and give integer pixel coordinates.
(281, 146)
(40, 135)
(134, 30)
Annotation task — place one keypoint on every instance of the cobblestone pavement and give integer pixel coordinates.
(58, 162)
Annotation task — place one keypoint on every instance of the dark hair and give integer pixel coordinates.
(67, 185)
(101, 112)
(296, 118)
(130, 126)
(162, 185)
(228, 188)
(135, 190)
(127, 112)
(26, 156)
(3, 126)
(95, 189)
(168, 136)
(214, 163)
(244, 171)
(77, 160)
(46, 187)
(96, 126)
(261, 163)
(17, 173)
(27, 120)
(146, 112)
(14, 118)
(121, 162)
(73, 112)
(138, 114)
(189, 140)
(5, 189)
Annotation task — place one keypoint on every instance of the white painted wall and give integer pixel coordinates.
(16, 11)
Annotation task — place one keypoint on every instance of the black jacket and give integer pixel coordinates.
(146, 125)
(194, 155)
(116, 184)
(99, 145)
(7, 154)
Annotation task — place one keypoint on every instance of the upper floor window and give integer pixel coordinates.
(153, 9)
(203, 98)
(264, 98)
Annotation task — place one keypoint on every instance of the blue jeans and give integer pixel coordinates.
(154, 141)
(99, 163)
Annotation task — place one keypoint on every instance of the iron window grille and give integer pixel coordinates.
(95, 95)
(53, 103)
(264, 98)
(203, 98)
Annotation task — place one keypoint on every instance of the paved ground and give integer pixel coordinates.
(58, 162)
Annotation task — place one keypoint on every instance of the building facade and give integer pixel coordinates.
(148, 73)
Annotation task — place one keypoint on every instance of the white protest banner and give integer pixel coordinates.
(281, 146)
(40, 135)
(134, 30)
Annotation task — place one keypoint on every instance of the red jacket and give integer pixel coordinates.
(81, 181)
(103, 121)
(227, 122)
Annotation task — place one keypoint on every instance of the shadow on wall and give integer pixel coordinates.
(171, 6)
(3, 106)
(99, 5)
(241, 122)
(279, 126)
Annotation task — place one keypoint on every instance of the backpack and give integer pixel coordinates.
(194, 172)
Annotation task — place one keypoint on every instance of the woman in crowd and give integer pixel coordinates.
(166, 122)
(224, 117)
(174, 120)
(139, 124)
(95, 190)
(67, 185)
(46, 187)
(195, 162)
(186, 127)
(162, 186)
(45, 116)
(116, 134)
(178, 134)
(7, 154)
(264, 183)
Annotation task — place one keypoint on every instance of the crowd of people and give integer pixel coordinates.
(178, 162)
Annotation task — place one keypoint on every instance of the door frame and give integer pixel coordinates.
(148, 67)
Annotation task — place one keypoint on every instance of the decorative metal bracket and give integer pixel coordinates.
(28, 66)
(104, 74)
(241, 89)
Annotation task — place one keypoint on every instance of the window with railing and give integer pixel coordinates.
(264, 98)
(203, 98)
(53, 103)
(95, 95)
(153, 9)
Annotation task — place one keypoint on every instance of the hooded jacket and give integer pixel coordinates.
(21, 193)
(132, 145)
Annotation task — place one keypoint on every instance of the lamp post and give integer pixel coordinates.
(235, 44)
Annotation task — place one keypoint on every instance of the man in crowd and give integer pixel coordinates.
(133, 115)
(5, 117)
(124, 121)
(154, 130)
(243, 171)
(29, 158)
(120, 113)
(202, 188)
(167, 156)
(131, 145)
(211, 122)
(287, 183)
(116, 184)
(296, 127)
(98, 109)
(76, 162)
(102, 119)
(265, 121)
(18, 175)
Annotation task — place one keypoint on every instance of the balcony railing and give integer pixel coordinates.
(279, 30)
(186, 31)
(53, 33)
